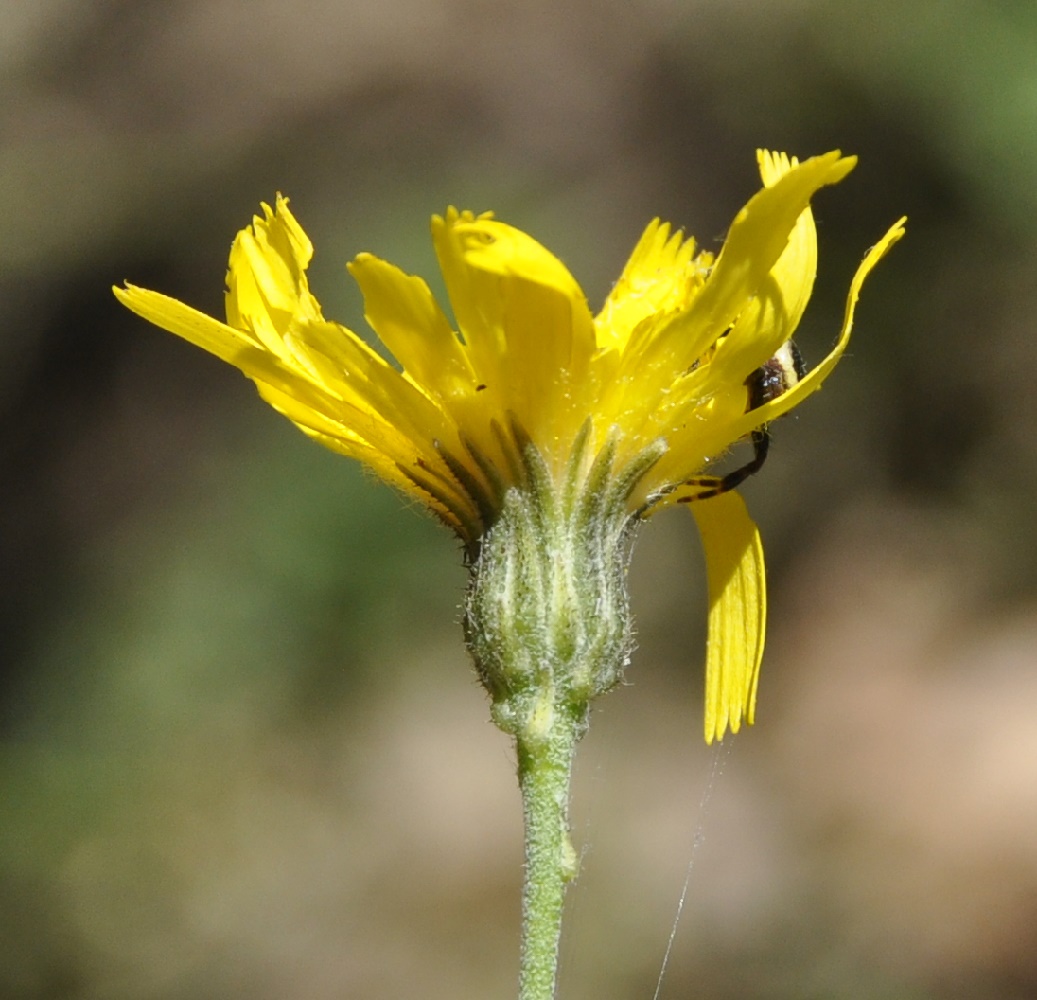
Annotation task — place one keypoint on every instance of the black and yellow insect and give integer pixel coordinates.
(769, 381)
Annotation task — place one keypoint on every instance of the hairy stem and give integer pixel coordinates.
(544, 767)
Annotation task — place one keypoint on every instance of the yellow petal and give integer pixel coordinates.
(757, 238)
(771, 316)
(815, 378)
(326, 381)
(205, 332)
(501, 249)
(266, 279)
(528, 293)
(484, 343)
(401, 310)
(527, 328)
(654, 282)
(666, 355)
(737, 611)
(760, 232)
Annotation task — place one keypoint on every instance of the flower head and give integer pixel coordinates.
(655, 382)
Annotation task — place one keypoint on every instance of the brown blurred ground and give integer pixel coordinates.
(243, 753)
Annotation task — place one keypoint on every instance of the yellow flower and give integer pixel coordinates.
(661, 370)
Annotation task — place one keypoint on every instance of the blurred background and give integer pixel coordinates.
(242, 751)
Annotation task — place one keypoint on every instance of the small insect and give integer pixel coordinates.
(779, 374)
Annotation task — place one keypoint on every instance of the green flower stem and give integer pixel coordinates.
(548, 624)
(544, 768)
